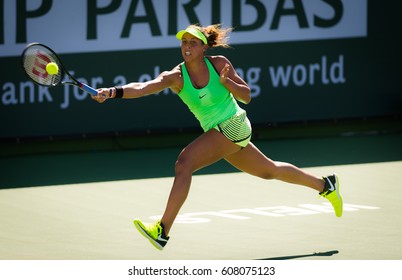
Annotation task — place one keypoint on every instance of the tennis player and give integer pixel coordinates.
(211, 88)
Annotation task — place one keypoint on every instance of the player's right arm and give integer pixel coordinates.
(168, 79)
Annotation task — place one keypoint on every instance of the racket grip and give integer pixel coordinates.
(88, 89)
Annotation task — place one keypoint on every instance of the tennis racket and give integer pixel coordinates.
(36, 56)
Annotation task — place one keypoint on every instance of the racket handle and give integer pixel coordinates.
(88, 89)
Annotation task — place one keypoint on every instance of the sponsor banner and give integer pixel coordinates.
(294, 80)
(76, 26)
(302, 81)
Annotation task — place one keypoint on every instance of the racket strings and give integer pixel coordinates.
(35, 60)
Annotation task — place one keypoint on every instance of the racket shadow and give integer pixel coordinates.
(319, 254)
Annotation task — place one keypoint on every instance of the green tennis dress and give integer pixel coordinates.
(215, 107)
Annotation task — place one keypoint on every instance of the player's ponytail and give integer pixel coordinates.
(216, 35)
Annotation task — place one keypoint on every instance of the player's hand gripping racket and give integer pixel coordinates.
(44, 67)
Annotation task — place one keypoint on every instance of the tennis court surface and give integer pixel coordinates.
(228, 215)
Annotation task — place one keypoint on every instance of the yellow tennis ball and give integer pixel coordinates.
(52, 68)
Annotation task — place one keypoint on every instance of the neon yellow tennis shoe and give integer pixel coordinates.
(153, 232)
(332, 193)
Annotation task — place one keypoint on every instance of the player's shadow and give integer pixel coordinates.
(319, 254)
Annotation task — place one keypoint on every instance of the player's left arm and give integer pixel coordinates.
(232, 81)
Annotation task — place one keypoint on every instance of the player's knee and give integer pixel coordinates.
(267, 176)
(278, 171)
(270, 173)
(183, 165)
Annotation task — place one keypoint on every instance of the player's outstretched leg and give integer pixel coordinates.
(252, 161)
